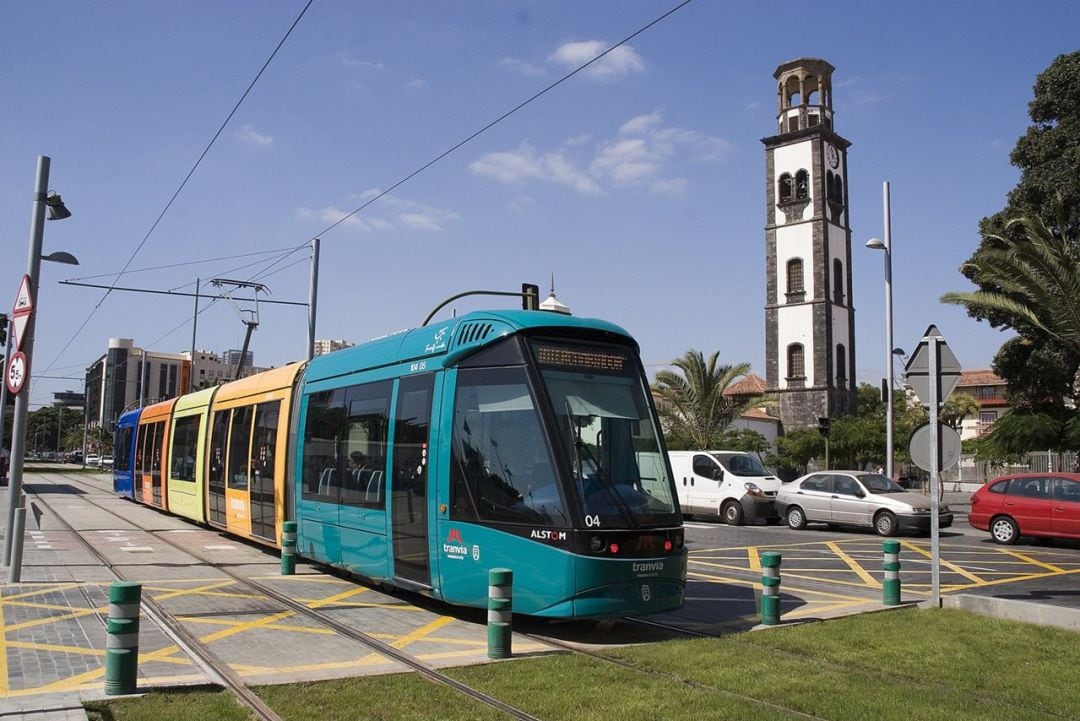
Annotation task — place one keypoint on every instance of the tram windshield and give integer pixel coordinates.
(608, 434)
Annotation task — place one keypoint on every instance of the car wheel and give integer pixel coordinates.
(1004, 530)
(732, 513)
(885, 524)
(796, 519)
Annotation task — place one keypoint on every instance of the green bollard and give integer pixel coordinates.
(288, 548)
(500, 610)
(890, 589)
(770, 588)
(122, 641)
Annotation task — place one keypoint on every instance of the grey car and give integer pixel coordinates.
(856, 498)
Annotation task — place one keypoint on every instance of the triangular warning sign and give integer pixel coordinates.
(20, 322)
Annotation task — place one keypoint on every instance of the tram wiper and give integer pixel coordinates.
(580, 450)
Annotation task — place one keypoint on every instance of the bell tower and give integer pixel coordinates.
(809, 314)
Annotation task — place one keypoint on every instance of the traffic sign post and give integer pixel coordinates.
(933, 373)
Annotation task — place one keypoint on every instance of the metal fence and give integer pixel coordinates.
(970, 471)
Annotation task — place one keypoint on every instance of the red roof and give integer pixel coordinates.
(760, 414)
(748, 385)
(980, 378)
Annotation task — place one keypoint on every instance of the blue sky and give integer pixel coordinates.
(639, 184)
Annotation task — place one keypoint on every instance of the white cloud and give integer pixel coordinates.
(346, 59)
(643, 154)
(388, 213)
(419, 85)
(518, 166)
(641, 124)
(621, 61)
(248, 134)
(523, 67)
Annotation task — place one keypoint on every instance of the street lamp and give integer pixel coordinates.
(886, 246)
(57, 211)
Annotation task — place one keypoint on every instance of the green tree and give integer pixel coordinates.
(959, 406)
(1037, 277)
(795, 450)
(743, 439)
(692, 404)
(1048, 157)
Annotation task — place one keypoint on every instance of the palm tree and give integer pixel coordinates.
(692, 406)
(1037, 276)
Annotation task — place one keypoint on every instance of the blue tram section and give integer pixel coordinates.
(124, 453)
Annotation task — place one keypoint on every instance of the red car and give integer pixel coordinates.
(1030, 504)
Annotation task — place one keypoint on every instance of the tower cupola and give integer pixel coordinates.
(803, 95)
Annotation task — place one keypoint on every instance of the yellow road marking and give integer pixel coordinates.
(241, 627)
(337, 597)
(274, 627)
(4, 684)
(755, 560)
(1033, 561)
(859, 570)
(206, 590)
(422, 632)
(757, 584)
(948, 564)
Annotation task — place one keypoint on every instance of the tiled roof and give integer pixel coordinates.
(748, 385)
(980, 378)
(759, 414)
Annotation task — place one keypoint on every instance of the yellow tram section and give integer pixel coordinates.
(150, 456)
(187, 444)
(246, 457)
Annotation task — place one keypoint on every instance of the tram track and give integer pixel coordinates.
(219, 668)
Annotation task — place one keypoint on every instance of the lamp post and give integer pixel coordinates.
(57, 211)
(886, 245)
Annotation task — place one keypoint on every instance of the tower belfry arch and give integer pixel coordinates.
(809, 313)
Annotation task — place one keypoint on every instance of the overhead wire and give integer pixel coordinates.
(183, 183)
(493, 123)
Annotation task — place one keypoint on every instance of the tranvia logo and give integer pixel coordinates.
(646, 593)
(648, 567)
(454, 546)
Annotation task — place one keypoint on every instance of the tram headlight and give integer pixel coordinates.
(596, 544)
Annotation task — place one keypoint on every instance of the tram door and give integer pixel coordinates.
(409, 484)
(263, 447)
(237, 477)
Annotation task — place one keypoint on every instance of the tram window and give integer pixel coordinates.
(609, 437)
(501, 469)
(141, 452)
(239, 442)
(122, 449)
(362, 469)
(265, 442)
(184, 442)
(322, 430)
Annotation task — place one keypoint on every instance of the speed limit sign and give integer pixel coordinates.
(15, 374)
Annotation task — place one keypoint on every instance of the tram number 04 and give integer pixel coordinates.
(416, 367)
(592, 521)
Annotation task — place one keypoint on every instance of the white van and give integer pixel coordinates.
(731, 485)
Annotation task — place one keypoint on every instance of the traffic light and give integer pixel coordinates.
(823, 426)
(3, 329)
(530, 296)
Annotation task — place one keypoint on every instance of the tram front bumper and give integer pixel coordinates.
(612, 588)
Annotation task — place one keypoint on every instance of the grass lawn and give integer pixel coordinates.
(901, 665)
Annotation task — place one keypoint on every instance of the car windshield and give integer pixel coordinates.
(741, 464)
(876, 483)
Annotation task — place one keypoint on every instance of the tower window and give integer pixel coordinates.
(796, 288)
(838, 281)
(785, 188)
(841, 365)
(802, 185)
(796, 361)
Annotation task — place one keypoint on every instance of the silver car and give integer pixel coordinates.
(856, 498)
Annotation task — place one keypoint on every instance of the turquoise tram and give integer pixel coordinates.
(517, 439)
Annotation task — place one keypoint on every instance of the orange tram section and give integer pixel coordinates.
(240, 429)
